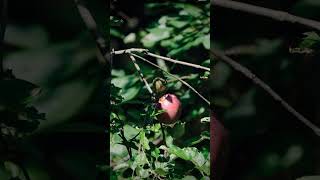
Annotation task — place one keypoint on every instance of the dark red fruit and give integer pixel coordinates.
(218, 147)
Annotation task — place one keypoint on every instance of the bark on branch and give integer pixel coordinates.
(92, 27)
(245, 71)
(261, 11)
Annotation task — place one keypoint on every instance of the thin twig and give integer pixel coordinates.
(124, 51)
(143, 79)
(146, 83)
(3, 21)
(178, 62)
(274, 14)
(241, 50)
(125, 142)
(163, 134)
(176, 77)
(146, 51)
(124, 139)
(92, 26)
(235, 65)
(182, 77)
(25, 172)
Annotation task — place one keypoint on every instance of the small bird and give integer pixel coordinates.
(159, 86)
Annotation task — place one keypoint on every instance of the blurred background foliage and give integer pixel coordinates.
(267, 142)
(173, 29)
(47, 44)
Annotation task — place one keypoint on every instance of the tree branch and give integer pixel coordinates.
(176, 77)
(146, 51)
(178, 62)
(3, 21)
(153, 96)
(241, 50)
(246, 72)
(124, 51)
(274, 14)
(92, 27)
(143, 79)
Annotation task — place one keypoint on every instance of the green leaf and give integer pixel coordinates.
(198, 159)
(143, 173)
(178, 130)
(130, 93)
(13, 168)
(155, 35)
(310, 40)
(127, 84)
(155, 127)
(161, 168)
(205, 135)
(125, 81)
(116, 33)
(189, 178)
(206, 63)
(139, 160)
(205, 75)
(115, 21)
(205, 178)
(205, 168)
(188, 9)
(198, 112)
(129, 131)
(181, 153)
(155, 153)
(193, 155)
(144, 141)
(169, 43)
(118, 72)
(198, 41)
(206, 41)
(163, 20)
(169, 141)
(130, 38)
(177, 23)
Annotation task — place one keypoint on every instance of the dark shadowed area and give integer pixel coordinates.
(267, 142)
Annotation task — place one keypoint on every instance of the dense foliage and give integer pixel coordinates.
(138, 150)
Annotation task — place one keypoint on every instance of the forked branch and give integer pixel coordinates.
(146, 51)
(235, 65)
(175, 77)
(132, 54)
(143, 79)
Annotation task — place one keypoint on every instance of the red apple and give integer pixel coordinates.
(172, 106)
